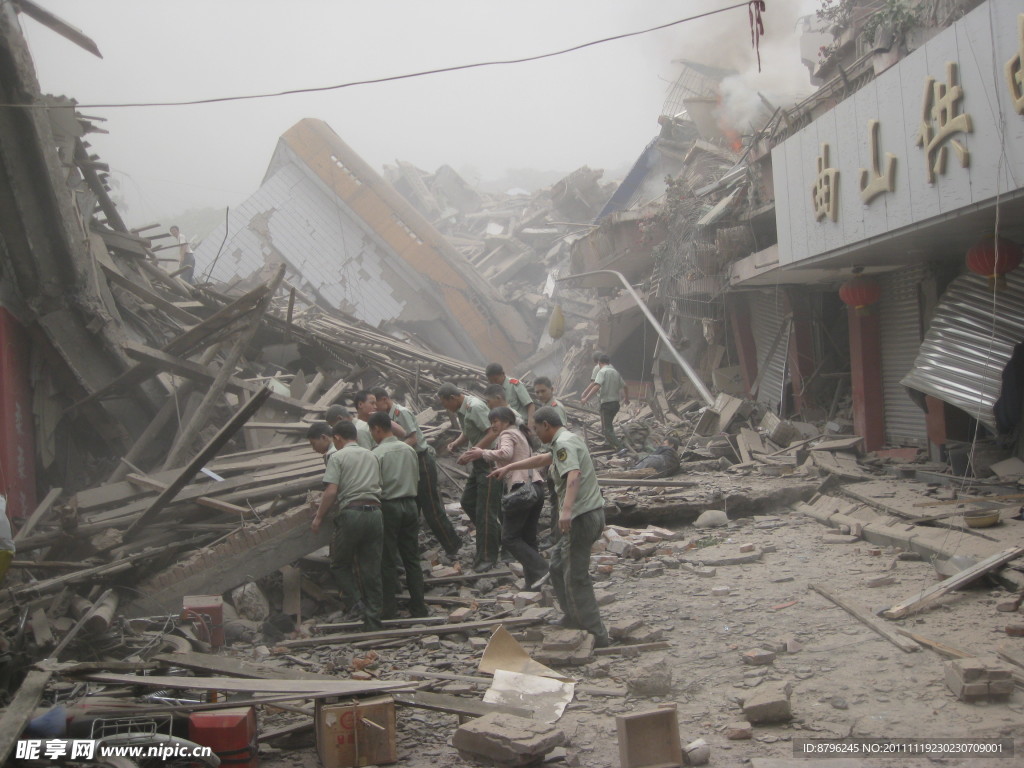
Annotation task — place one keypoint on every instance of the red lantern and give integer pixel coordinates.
(993, 258)
(860, 292)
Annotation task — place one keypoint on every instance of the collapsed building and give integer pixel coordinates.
(750, 251)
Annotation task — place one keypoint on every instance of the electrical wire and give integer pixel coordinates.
(392, 78)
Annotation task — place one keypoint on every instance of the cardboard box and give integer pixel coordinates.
(650, 739)
(356, 732)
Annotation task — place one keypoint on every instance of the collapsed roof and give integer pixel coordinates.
(353, 243)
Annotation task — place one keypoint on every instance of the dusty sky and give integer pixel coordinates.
(596, 107)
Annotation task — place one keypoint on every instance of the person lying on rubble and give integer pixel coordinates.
(580, 520)
(352, 495)
(519, 516)
(665, 458)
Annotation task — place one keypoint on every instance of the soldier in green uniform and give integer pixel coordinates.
(545, 393)
(610, 383)
(352, 496)
(336, 413)
(481, 499)
(320, 440)
(580, 520)
(516, 396)
(399, 475)
(428, 497)
(365, 404)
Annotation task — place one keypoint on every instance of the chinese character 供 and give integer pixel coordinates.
(940, 121)
(825, 192)
(1015, 70)
(55, 748)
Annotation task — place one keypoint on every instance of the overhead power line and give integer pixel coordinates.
(392, 78)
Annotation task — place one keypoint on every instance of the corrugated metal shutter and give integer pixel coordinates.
(899, 313)
(767, 314)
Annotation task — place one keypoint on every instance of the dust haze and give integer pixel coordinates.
(596, 107)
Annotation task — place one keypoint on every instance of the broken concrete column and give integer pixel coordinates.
(770, 704)
(507, 739)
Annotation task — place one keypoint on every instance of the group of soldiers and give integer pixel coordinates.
(381, 474)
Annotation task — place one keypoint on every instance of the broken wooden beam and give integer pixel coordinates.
(208, 452)
(389, 634)
(182, 445)
(904, 644)
(966, 576)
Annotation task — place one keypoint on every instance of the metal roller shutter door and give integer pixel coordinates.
(900, 319)
(767, 313)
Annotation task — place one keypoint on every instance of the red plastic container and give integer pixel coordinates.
(206, 615)
(231, 733)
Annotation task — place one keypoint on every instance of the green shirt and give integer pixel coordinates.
(593, 373)
(405, 419)
(516, 396)
(330, 452)
(472, 415)
(569, 452)
(363, 436)
(611, 383)
(356, 473)
(559, 409)
(399, 468)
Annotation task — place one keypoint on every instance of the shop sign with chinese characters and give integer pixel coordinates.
(941, 130)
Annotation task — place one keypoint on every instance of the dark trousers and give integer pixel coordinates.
(355, 560)
(428, 499)
(401, 545)
(570, 573)
(519, 537)
(481, 500)
(608, 411)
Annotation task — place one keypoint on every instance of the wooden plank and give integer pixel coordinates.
(21, 710)
(218, 323)
(333, 687)
(616, 650)
(389, 634)
(172, 309)
(82, 622)
(966, 576)
(868, 620)
(232, 667)
(211, 448)
(62, 28)
(467, 577)
(614, 482)
(38, 514)
(189, 431)
(203, 501)
(486, 681)
(200, 374)
(454, 705)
